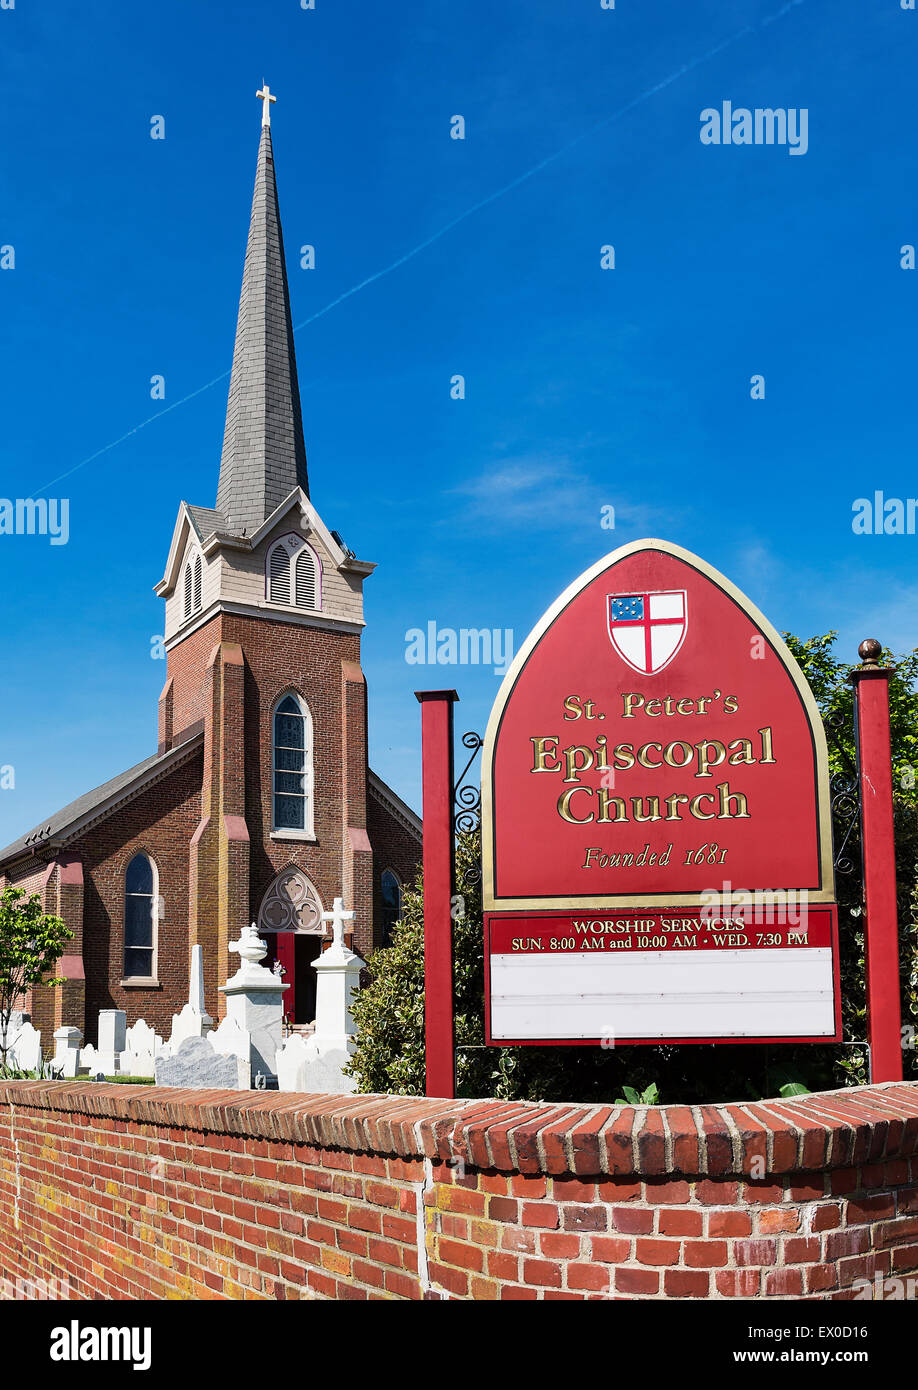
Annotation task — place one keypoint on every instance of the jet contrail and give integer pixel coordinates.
(454, 222)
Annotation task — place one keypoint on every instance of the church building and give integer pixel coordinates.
(258, 804)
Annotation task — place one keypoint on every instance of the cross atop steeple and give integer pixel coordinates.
(265, 97)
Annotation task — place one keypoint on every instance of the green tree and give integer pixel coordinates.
(31, 944)
(389, 1012)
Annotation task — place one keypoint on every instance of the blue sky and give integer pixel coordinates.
(584, 387)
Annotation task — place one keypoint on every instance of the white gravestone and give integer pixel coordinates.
(23, 1045)
(291, 1064)
(67, 1051)
(112, 1029)
(231, 1040)
(318, 1064)
(194, 1021)
(141, 1047)
(196, 1064)
(255, 1001)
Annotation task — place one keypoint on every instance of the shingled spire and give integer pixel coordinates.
(264, 457)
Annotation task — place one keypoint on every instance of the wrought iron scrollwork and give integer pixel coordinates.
(846, 817)
(467, 805)
(467, 795)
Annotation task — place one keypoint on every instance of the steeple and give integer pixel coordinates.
(264, 456)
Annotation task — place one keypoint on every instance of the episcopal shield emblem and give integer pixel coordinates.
(647, 629)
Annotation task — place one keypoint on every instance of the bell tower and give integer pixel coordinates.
(264, 612)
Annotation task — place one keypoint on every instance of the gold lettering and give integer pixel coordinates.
(726, 796)
(765, 735)
(704, 762)
(572, 767)
(743, 752)
(541, 752)
(564, 806)
(642, 754)
(654, 802)
(630, 701)
(572, 708)
(605, 801)
(695, 806)
(668, 754)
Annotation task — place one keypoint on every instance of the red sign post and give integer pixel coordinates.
(439, 875)
(656, 832)
(884, 1018)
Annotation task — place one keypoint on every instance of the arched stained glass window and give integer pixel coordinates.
(391, 891)
(140, 898)
(292, 766)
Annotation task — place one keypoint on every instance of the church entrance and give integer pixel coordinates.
(296, 951)
(290, 921)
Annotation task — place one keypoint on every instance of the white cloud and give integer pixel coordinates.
(546, 492)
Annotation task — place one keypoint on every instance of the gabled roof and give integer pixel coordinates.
(212, 532)
(206, 521)
(394, 804)
(264, 456)
(93, 806)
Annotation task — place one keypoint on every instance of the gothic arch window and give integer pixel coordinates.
(293, 573)
(391, 893)
(192, 585)
(292, 904)
(307, 579)
(291, 756)
(141, 891)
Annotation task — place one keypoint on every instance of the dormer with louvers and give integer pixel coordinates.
(292, 569)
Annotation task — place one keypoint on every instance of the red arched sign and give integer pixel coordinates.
(657, 847)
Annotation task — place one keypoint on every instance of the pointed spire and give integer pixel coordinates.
(264, 457)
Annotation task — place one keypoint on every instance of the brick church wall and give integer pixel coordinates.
(281, 657)
(395, 847)
(160, 822)
(121, 1192)
(32, 877)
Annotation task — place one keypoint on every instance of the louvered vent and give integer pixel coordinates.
(279, 576)
(306, 580)
(188, 590)
(197, 584)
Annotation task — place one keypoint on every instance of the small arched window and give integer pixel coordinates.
(279, 574)
(192, 582)
(140, 898)
(306, 579)
(293, 573)
(292, 767)
(391, 904)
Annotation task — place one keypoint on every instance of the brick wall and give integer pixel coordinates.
(156, 1193)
